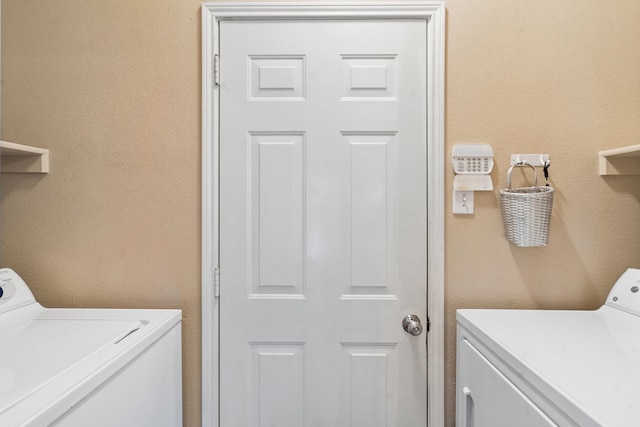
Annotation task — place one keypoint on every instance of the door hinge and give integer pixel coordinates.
(216, 69)
(216, 282)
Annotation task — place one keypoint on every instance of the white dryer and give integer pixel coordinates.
(552, 367)
(86, 367)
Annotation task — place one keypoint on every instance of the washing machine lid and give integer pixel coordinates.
(39, 350)
(585, 363)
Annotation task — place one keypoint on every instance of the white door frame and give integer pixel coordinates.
(434, 13)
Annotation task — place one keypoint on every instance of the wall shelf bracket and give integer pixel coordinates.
(620, 161)
(18, 158)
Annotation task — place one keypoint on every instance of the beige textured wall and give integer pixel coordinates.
(113, 89)
(557, 77)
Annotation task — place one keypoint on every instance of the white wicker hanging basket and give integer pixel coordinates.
(526, 212)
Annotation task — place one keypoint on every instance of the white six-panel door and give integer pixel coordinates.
(323, 222)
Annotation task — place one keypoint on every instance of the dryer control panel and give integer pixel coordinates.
(14, 292)
(625, 294)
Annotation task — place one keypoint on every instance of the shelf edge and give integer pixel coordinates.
(19, 158)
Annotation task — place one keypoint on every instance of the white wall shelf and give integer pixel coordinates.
(18, 158)
(620, 161)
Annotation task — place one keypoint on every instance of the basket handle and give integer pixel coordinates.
(520, 164)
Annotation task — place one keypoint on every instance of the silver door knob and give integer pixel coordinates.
(411, 323)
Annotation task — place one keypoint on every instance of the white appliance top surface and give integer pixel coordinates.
(39, 349)
(585, 362)
(50, 356)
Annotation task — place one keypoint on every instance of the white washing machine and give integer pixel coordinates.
(86, 367)
(552, 367)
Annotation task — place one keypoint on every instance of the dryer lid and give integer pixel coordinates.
(39, 350)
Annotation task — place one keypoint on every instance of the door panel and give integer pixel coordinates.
(277, 213)
(322, 222)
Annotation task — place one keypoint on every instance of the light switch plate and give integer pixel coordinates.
(463, 202)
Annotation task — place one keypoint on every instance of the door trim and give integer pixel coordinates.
(434, 13)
